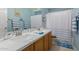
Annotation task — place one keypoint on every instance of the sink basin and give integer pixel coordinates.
(25, 38)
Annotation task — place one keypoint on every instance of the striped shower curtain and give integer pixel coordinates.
(60, 24)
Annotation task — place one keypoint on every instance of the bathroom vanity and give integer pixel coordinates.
(28, 41)
(43, 43)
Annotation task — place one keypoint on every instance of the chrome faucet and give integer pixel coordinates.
(17, 31)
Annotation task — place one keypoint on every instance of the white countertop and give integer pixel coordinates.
(19, 42)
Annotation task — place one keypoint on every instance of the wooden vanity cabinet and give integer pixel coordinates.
(29, 48)
(50, 40)
(46, 43)
(38, 45)
(42, 44)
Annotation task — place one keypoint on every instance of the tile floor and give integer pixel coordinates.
(58, 48)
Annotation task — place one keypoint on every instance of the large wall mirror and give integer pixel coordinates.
(18, 18)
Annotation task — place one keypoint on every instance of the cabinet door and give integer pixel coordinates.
(46, 43)
(29, 48)
(38, 45)
(49, 40)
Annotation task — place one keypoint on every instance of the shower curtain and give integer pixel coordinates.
(60, 24)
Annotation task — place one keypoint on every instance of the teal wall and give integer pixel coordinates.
(48, 10)
(25, 15)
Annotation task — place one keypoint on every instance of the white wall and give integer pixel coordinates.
(3, 21)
